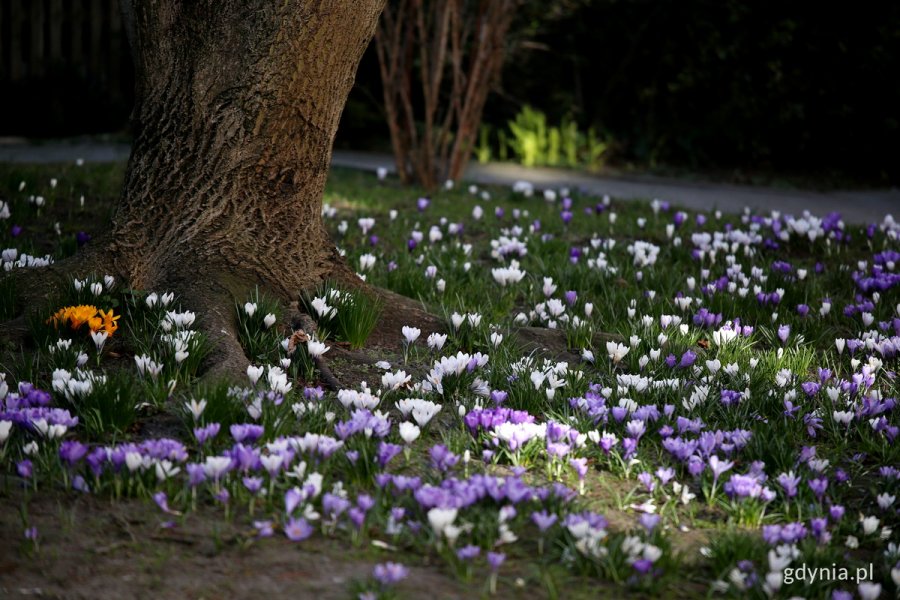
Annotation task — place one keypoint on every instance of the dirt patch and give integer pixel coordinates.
(90, 548)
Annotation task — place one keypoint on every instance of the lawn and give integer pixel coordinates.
(623, 398)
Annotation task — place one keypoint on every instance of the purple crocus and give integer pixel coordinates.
(297, 530)
(162, 502)
(263, 528)
(687, 359)
(386, 452)
(253, 484)
(468, 552)
(441, 457)
(649, 522)
(636, 428)
(495, 559)
(784, 331)
(333, 505)
(357, 517)
(196, 474)
(789, 483)
(390, 573)
(642, 566)
(292, 498)
(72, 451)
(543, 520)
(204, 434)
(718, 466)
(647, 481)
(580, 467)
(629, 445)
(665, 475)
(25, 468)
(818, 486)
(246, 432)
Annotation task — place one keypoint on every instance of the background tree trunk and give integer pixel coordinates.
(237, 105)
(438, 61)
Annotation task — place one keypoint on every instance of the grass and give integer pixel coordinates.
(636, 278)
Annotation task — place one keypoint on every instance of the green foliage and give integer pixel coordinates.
(8, 299)
(533, 142)
(529, 140)
(110, 409)
(257, 327)
(219, 405)
(483, 150)
(344, 315)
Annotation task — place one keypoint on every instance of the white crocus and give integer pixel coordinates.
(436, 341)
(616, 351)
(441, 518)
(254, 373)
(409, 432)
(316, 348)
(99, 338)
(411, 334)
(196, 408)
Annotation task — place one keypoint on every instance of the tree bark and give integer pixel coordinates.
(237, 105)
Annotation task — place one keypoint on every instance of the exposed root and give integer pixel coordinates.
(551, 343)
(214, 306)
(303, 322)
(399, 311)
(14, 331)
(35, 288)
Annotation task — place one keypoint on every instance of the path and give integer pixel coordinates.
(866, 206)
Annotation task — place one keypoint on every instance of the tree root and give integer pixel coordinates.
(214, 306)
(34, 288)
(212, 296)
(303, 322)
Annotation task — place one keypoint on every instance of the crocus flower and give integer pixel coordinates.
(263, 528)
(543, 520)
(24, 468)
(719, 466)
(687, 359)
(783, 332)
(390, 573)
(298, 529)
(649, 521)
(495, 559)
(789, 482)
(71, 451)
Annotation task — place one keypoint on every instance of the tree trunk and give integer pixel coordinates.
(237, 105)
(419, 43)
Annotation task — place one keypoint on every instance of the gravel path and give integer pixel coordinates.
(863, 206)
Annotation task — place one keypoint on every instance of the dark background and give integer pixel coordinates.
(707, 86)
